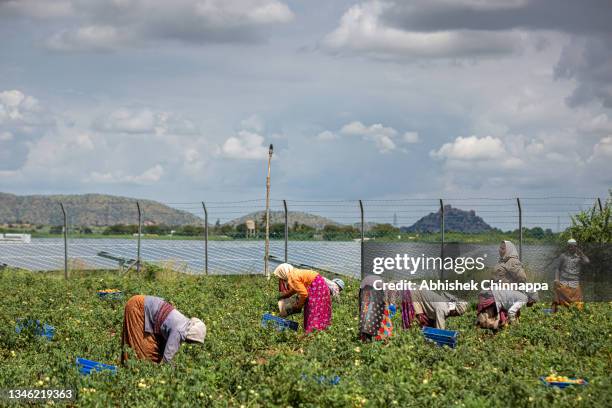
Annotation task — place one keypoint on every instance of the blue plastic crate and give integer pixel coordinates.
(110, 295)
(323, 380)
(39, 328)
(561, 384)
(441, 337)
(86, 367)
(280, 323)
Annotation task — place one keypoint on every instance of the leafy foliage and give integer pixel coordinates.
(242, 364)
(592, 225)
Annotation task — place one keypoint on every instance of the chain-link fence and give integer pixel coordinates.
(228, 237)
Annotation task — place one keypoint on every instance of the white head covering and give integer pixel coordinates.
(511, 251)
(339, 282)
(196, 330)
(283, 271)
(571, 241)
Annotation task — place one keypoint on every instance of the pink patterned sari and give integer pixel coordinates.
(318, 310)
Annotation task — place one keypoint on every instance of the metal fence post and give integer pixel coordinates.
(286, 231)
(362, 239)
(599, 204)
(139, 234)
(65, 241)
(442, 228)
(601, 240)
(520, 217)
(205, 238)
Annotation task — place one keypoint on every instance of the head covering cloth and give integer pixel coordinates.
(510, 251)
(339, 282)
(283, 271)
(196, 330)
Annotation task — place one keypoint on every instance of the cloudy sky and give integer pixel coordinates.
(178, 100)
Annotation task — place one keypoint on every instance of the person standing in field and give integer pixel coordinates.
(313, 296)
(567, 277)
(154, 329)
(509, 269)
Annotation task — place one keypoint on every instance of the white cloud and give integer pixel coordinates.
(245, 145)
(128, 121)
(326, 135)
(102, 25)
(411, 137)
(363, 30)
(15, 105)
(385, 138)
(516, 162)
(22, 121)
(89, 38)
(41, 9)
(149, 176)
(471, 148)
(254, 123)
(6, 136)
(144, 120)
(602, 149)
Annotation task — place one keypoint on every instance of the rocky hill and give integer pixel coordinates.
(455, 220)
(88, 209)
(278, 217)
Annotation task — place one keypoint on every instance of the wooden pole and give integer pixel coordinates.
(139, 235)
(65, 241)
(205, 238)
(286, 231)
(267, 250)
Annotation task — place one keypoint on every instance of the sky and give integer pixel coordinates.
(178, 101)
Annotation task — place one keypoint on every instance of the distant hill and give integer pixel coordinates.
(300, 217)
(88, 209)
(455, 220)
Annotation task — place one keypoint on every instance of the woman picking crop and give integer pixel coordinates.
(313, 295)
(505, 308)
(431, 309)
(374, 314)
(154, 329)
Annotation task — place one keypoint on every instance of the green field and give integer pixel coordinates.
(241, 364)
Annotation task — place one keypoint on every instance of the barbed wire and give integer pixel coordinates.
(231, 250)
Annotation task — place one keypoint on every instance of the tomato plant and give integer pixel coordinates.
(242, 364)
